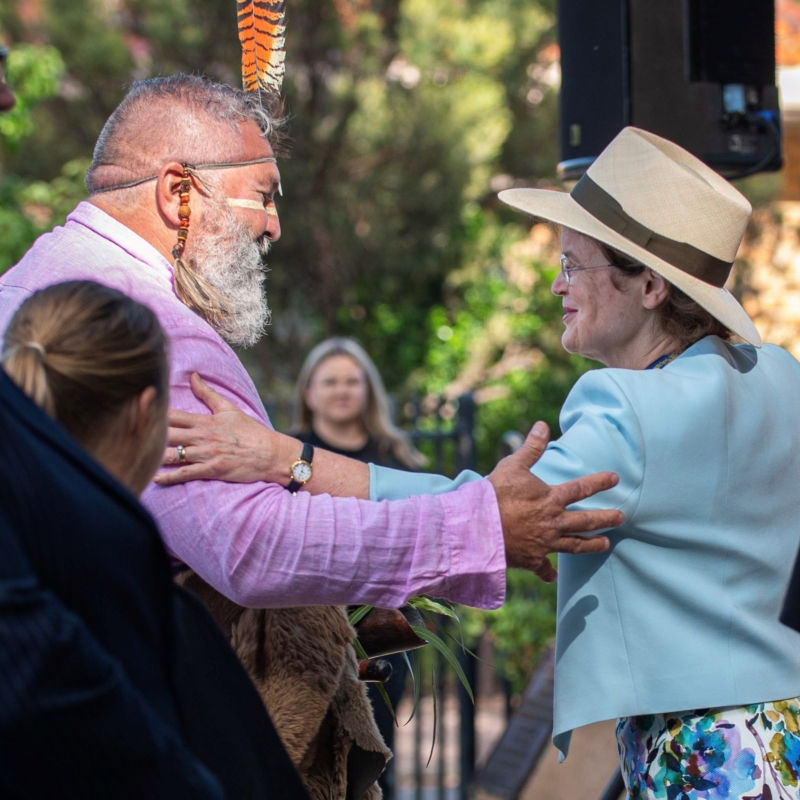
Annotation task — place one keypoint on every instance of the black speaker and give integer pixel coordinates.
(698, 72)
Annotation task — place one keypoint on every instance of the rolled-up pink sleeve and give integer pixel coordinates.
(263, 547)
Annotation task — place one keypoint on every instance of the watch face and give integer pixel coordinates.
(301, 471)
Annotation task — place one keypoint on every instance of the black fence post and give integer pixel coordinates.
(461, 435)
(441, 725)
(418, 754)
(467, 722)
(466, 457)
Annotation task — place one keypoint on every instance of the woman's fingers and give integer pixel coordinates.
(192, 454)
(190, 472)
(215, 401)
(172, 456)
(184, 436)
(183, 419)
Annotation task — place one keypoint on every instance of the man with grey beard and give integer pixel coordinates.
(222, 241)
(181, 210)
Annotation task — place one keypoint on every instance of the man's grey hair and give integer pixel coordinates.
(182, 118)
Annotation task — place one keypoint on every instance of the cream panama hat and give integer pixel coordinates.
(650, 199)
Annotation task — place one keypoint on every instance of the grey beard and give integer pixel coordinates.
(224, 253)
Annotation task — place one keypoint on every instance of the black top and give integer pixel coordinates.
(370, 453)
(114, 682)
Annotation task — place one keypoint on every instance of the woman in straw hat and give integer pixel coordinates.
(674, 631)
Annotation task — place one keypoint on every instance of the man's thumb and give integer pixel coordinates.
(535, 444)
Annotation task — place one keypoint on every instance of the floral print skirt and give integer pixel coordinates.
(746, 753)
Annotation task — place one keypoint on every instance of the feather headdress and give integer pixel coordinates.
(262, 32)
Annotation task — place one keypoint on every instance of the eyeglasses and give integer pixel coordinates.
(567, 271)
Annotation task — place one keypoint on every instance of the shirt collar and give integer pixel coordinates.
(119, 234)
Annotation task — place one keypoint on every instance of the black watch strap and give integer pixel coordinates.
(306, 455)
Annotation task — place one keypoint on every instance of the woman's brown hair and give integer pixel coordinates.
(80, 350)
(680, 317)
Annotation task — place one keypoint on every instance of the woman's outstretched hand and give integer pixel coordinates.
(534, 515)
(226, 445)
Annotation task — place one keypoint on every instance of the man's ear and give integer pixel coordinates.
(168, 189)
(654, 290)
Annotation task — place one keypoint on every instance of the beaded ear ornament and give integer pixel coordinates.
(184, 213)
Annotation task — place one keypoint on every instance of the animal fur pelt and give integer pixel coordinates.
(303, 665)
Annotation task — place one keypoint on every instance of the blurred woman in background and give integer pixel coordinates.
(343, 407)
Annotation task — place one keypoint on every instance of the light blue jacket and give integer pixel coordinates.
(682, 612)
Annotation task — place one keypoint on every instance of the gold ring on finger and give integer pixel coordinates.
(181, 454)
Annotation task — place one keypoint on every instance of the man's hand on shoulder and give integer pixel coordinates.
(534, 515)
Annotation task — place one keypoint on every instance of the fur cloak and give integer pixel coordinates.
(305, 669)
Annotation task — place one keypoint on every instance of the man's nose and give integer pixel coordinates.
(273, 230)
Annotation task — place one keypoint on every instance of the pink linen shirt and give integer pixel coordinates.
(256, 543)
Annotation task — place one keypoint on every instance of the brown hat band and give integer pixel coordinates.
(681, 255)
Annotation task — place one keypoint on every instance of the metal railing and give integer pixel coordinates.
(445, 430)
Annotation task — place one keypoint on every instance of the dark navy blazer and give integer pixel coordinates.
(113, 681)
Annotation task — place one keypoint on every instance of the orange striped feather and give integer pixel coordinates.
(262, 32)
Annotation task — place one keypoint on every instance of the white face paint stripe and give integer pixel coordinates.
(236, 202)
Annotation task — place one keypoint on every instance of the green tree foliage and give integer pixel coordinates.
(35, 72)
(406, 117)
(30, 207)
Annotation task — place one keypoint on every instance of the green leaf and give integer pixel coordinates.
(385, 697)
(415, 677)
(422, 603)
(435, 716)
(458, 642)
(358, 614)
(360, 651)
(441, 646)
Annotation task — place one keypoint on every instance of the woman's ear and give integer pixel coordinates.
(654, 290)
(143, 411)
(168, 189)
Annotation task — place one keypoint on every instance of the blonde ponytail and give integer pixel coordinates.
(25, 365)
(80, 350)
